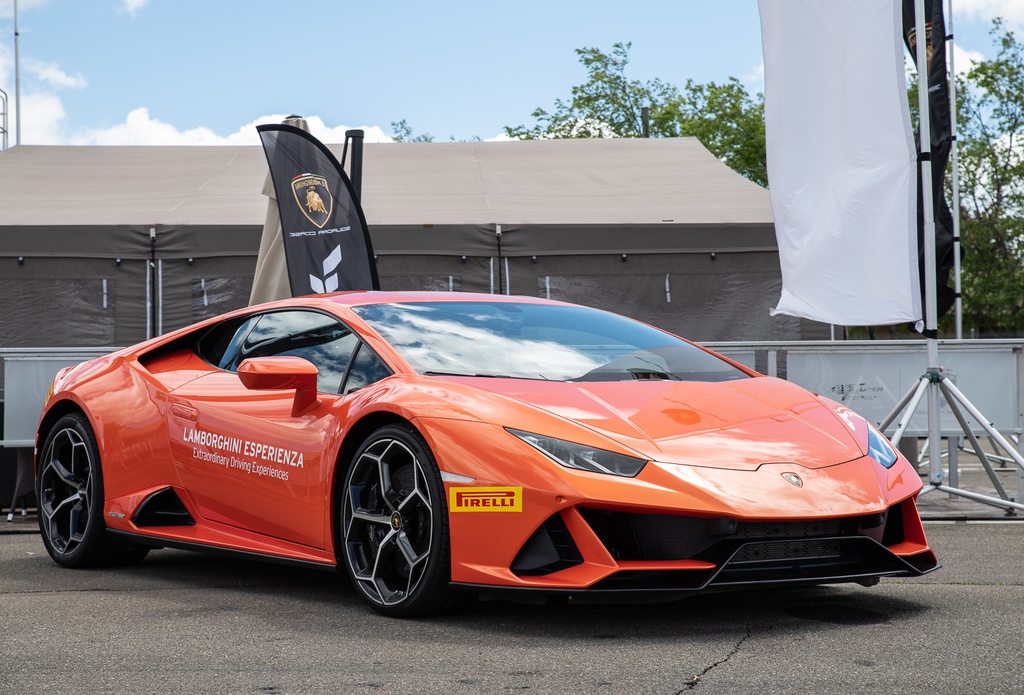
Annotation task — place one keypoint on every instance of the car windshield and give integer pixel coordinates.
(537, 341)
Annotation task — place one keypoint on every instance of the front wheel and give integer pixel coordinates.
(70, 496)
(394, 525)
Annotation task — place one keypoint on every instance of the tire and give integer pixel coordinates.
(69, 490)
(394, 526)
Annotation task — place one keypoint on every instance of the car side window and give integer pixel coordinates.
(222, 341)
(367, 368)
(323, 340)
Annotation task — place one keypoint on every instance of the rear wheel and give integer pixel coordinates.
(394, 525)
(70, 496)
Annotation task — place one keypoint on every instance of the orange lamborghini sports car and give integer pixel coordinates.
(438, 444)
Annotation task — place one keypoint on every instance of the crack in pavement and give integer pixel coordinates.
(695, 681)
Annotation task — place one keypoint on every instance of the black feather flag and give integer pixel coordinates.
(940, 124)
(326, 241)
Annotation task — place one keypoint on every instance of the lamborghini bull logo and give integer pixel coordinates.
(313, 198)
(929, 47)
(314, 203)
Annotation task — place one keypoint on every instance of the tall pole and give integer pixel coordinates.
(3, 120)
(931, 306)
(17, 81)
(956, 178)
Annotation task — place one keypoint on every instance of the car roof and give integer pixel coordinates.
(377, 297)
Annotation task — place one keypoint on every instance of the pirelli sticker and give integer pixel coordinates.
(485, 499)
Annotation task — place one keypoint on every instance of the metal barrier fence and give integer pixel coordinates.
(870, 377)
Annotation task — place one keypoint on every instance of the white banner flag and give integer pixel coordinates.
(841, 160)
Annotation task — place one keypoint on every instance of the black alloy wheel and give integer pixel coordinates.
(394, 525)
(69, 490)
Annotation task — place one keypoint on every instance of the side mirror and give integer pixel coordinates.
(281, 374)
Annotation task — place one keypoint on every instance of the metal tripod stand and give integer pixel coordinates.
(933, 384)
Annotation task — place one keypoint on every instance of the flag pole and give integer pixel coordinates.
(17, 81)
(958, 302)
(927, 203)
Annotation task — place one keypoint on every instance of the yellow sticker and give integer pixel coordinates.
(485, 499)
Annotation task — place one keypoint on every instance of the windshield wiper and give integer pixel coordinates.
(486, 376)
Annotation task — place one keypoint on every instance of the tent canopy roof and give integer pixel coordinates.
(538, 182)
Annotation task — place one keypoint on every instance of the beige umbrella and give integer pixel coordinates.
(271, 279)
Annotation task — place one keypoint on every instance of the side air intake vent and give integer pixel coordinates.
(163, 508)
(550, 549)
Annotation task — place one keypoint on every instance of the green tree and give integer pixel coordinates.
(403, 133)
(990, 160)
(724, 117)
(608, 104)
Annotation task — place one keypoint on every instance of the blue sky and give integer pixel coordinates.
(205, 71)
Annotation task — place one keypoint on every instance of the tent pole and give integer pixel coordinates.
(356, 136)
(497, 236)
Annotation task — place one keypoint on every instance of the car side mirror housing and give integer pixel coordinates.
(283, 373)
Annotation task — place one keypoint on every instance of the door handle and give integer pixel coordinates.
(184, 411)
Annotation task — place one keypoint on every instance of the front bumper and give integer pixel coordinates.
(595, 553)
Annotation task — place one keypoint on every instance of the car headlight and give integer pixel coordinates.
(880, 449)
(580, 457)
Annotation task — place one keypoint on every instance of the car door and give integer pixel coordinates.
(246, 461)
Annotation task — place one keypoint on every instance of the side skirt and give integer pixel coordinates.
(140, 539)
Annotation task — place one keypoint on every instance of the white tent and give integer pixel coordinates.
(116, 243)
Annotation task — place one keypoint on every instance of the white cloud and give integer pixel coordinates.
(42, 111)
(140, 128)
(53, 75)
(7, 7)
(6, 67)
(326, 133)
(133, 6)
(42, 118)
(985, 10)
(754, 80)
(964, 60)
(756, 75)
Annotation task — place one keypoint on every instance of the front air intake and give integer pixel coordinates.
(550, 549)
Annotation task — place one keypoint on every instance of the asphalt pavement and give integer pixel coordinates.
(191, 623)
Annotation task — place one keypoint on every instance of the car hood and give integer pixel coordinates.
(737, 425)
